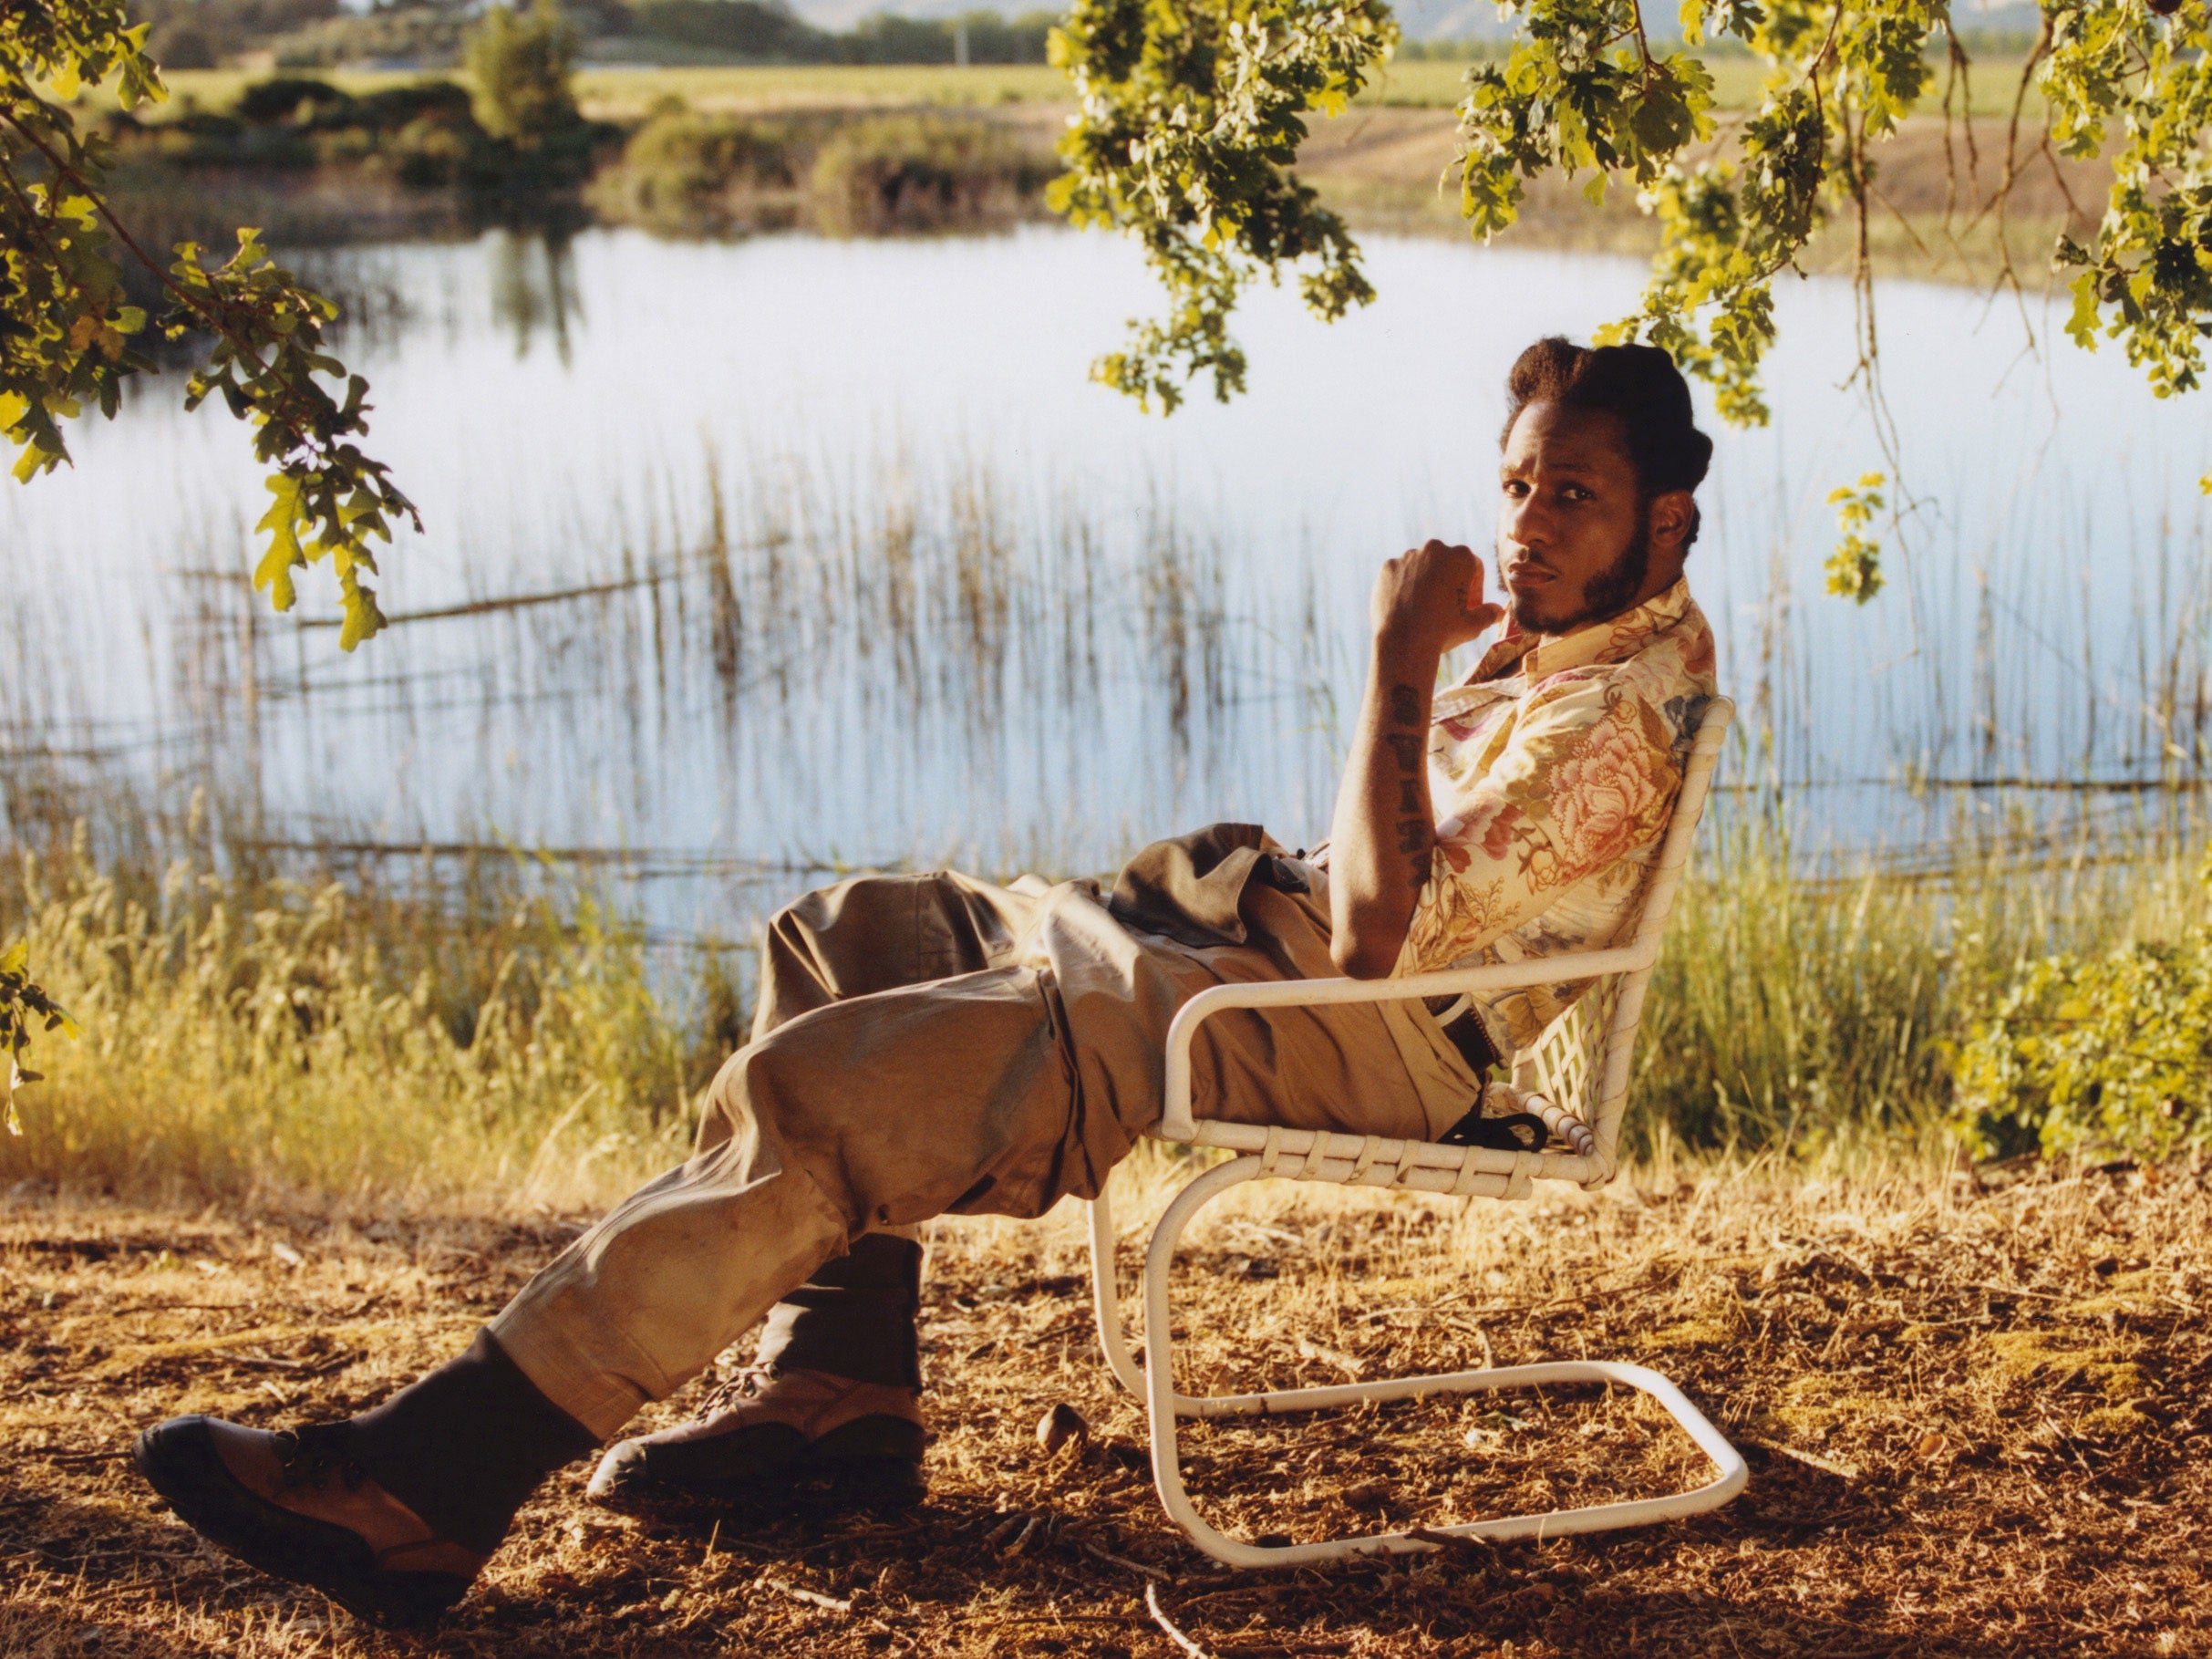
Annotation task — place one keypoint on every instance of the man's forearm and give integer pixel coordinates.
(1384, 829)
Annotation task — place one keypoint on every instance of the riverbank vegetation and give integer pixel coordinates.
(687, 151)
(867, 175)
(496, 1030)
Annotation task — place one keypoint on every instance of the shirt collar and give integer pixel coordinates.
(1541, 655)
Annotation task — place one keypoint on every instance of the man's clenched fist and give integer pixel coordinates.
(1429, 599)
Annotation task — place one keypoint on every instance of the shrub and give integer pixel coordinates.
(691, 154)
(919, 172)
(684, 171)
(427, 153)
(523, 66)
(288, 97)
(2089, 1055)
(447, 103)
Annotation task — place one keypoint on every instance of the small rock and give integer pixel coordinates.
(1367, 1494)
(1062, 1424)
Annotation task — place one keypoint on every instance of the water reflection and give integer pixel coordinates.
(751, 562)
(533, 288)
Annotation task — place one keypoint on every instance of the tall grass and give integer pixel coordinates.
(421, 1039)
(389, 1043)
(1809, 1011)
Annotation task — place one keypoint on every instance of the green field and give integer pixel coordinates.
(625, 94)
(616, 94)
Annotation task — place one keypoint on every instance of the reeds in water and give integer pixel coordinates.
(438, 971)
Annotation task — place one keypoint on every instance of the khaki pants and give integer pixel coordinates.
(930, 1044)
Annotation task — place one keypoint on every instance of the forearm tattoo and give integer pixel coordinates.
(1410, 750)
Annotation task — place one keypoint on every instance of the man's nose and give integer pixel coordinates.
(1525, 524)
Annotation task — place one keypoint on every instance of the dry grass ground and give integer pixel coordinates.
(1975, 1417)
(1934, 215)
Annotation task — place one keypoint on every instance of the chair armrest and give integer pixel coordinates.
(1176, 1122)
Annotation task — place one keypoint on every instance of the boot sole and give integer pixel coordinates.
(179, 1461)
(872, 1463)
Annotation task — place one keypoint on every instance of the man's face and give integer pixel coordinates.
(1574, 541)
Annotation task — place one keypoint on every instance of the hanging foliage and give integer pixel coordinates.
(70, 338)
(1190, 117)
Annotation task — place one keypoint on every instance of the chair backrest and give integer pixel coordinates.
(1582, 1060)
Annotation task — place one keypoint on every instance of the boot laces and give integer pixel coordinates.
(749, 1384)
(315, 1453)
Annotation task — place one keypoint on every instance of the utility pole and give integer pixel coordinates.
(960, 40)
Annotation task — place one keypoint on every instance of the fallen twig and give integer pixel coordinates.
(1151, 1602)
(810, 1597)
(1812, 1460)
(306, 1368)
(2021, 1290)
(1122, 1560)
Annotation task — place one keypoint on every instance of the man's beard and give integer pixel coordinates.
(1610, 592)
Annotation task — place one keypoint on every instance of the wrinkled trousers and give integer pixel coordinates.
(935, 1044)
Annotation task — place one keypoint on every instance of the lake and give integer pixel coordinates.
(744, 562)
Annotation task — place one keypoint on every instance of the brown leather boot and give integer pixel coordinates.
(771, 1433)
(297, 1504)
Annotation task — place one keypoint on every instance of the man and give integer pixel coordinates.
(934, 1044)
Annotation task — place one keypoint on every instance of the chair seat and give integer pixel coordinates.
(1374, 1160)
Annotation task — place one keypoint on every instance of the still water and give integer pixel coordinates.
(834, 557)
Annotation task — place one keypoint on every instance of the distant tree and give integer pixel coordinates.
(200, 34)
(1026, 38)
(524, 68)
(184, 45)
(887, 38)
(743, 28)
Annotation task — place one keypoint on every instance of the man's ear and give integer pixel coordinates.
(1671, 514)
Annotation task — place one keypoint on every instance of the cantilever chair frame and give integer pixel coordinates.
(1581, 1063)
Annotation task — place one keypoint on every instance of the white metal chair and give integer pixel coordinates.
(1577, 1076)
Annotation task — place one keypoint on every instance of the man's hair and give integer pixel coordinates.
(1641, 386)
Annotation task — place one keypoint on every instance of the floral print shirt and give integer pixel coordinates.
(1554, 769)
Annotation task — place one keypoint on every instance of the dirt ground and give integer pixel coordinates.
(1975, 1409)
